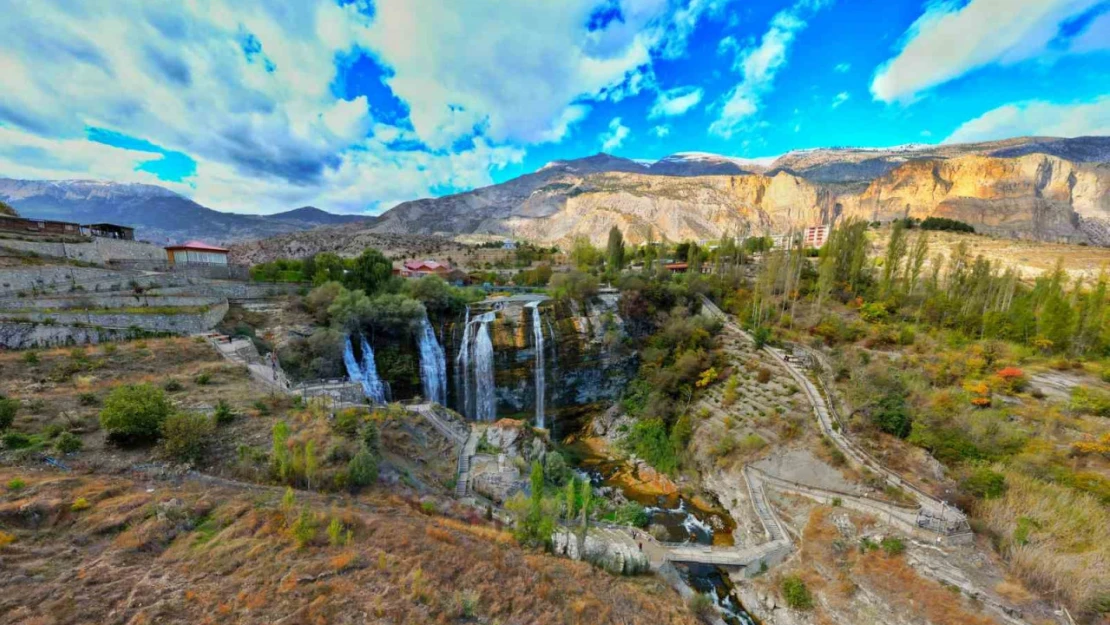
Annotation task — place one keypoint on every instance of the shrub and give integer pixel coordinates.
(304, 528)
(8, 408)
(68, 443)
(648, 440)
(15, 484)
(262, 408)
(31, 358)
(172, 386)
(362, 470)
(347, 421)
(985, 483)
(763, 376)
(892, 416)
(1090, 401)
(187, 436)
(943, 223)
(80, 504)
(555, 469)
(52, 431)
(134, 413)
(223, 413)
(203, 379)
(893, 546)
(87, 399)
(702, 605)
(795, 593)
(632, 513)
(16, 440)
(371, 437)
(336, 535)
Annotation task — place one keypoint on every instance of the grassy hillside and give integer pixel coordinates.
(5, 209)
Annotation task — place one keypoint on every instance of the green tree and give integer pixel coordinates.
(555, 468)
(583, 254)
(280, 457)
(328, 267)
(362, 470)
(895, 251)
(371, 437)
(571, 496)
(615, 250)
(135, 413)
(311, 464)
(371, 272)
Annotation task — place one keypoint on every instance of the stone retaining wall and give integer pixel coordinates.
(234, 290)
(100, 250)
(177, 324)
(106, 300)
(16, 335)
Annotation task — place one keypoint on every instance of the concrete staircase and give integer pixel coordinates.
(462, 476)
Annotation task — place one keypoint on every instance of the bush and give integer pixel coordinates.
(362, 470)
(8, 408)
(16, 484)
(555, 469)
(632, 513)
(1090, 401)
(68, 443)
(943, 223)
(187, 436)
(795, 593)
(134, 413)
(80, 504)
(223, 413)
(985, 483)
(172, 386)
(16, 440)
(649, 441)
(763, 376)
(304, 528)
(347, 421)
(893, 546)
(87, 399)
(892, 416)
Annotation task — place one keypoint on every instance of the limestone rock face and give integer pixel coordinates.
(1044, 189)
(621, 557)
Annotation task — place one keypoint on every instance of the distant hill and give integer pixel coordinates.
(157, 214)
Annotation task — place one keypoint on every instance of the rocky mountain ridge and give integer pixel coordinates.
(157, 214)
(1032, 188)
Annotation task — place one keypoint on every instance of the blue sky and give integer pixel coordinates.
(354, 106)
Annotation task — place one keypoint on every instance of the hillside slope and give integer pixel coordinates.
(157, 214)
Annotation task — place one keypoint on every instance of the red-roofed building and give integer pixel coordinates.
(196, 253)
(421, 268)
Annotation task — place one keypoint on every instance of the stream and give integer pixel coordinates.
(673, 518)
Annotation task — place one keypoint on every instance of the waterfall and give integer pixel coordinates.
(537, 340)
(366, 372)
(462, 368)
(433, 364)
(485, 396)
(371, 383)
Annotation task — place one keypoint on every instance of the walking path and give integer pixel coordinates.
(462, 477)
(932, 514)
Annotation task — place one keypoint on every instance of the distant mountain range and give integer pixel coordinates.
(157, 214)
(1042, 188)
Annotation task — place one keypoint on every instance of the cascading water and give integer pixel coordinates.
(371, 383)
(462, 369)
(485, 396)
(537, 339)
(366, 372)
(433, 364)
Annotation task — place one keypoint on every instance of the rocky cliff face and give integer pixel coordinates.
(1035, 188)
(584, 362)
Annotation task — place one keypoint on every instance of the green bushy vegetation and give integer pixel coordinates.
(186, 436)
(135, 413)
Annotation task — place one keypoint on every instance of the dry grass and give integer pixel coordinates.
(224, 555)
(1063, 546)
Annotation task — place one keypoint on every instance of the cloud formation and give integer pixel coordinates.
(254, 90)
(758, 64)
(950, 40)
(615, 136)
(1035, 118)
(673, 102)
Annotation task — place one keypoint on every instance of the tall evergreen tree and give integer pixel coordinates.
(615, 250)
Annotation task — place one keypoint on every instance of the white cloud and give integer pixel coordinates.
(615, 136)
(1037, 118)
(842, 68)
(950, 40)
(246, 89)
(515, 68)
(758, 65)
(661, 131)
(675, 102)
(840, 98)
